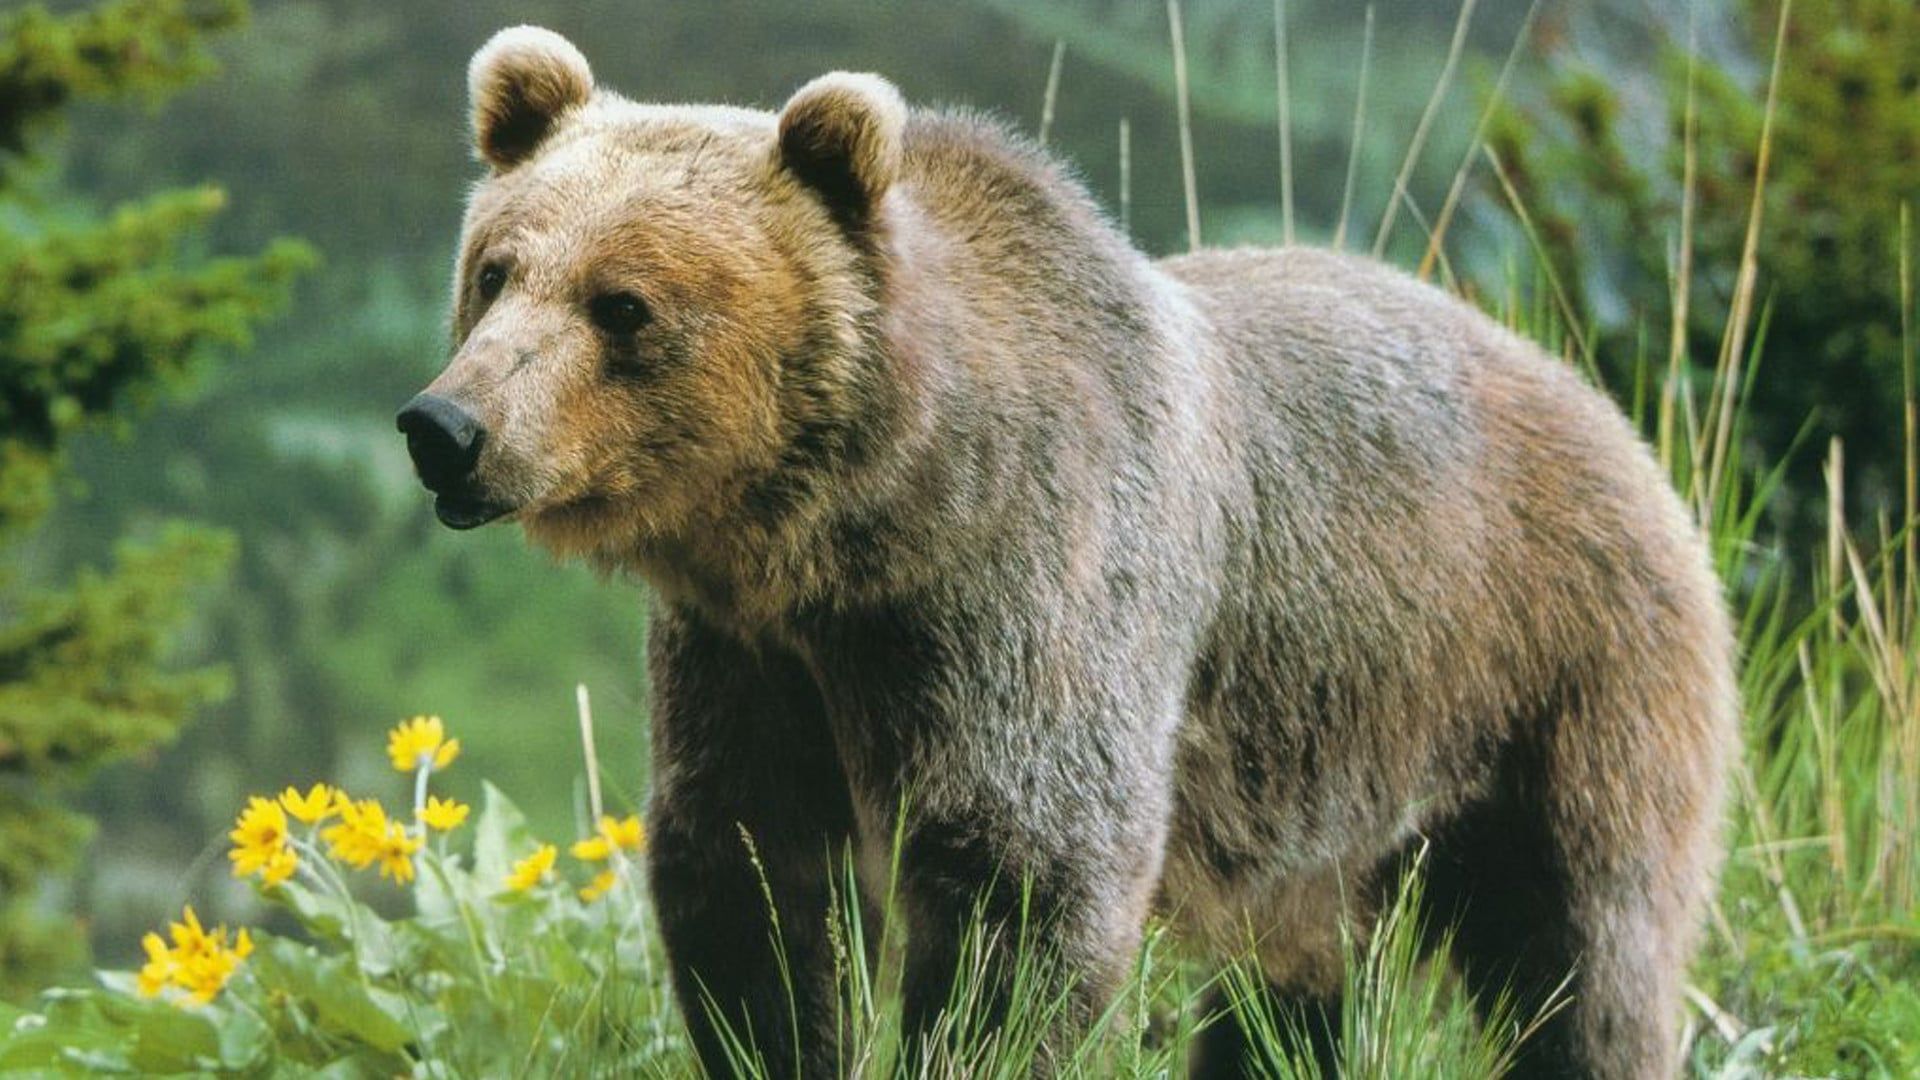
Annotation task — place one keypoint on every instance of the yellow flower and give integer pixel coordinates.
(626, 834)
(365, 835)
(198, 961)
(533, 869)
(158, 970)
(601, 884)
(258, 837)
(610, 836)
(592, 849)
(442, 815)
(279, 868)
(358, 839)
(204, 972)
(395, 853)
(416, 743)
(315, 806)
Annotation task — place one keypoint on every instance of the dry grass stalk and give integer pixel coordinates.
(1458, 188)
(1283, 91)
(1425, 126)
(1186, 125)
(1052, 96)
(1359, 125)
(1683, 274)
(1576, 339)
(1833, 809)
(585, 708)
(1733, 344)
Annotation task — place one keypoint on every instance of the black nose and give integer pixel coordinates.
(443, 438)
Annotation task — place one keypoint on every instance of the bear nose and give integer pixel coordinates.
(443, 439)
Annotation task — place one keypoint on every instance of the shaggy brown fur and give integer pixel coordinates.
(1206, 586)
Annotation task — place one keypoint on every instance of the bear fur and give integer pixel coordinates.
(1207, 587)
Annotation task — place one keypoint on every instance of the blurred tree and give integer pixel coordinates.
(1603, 189)
(97, 318)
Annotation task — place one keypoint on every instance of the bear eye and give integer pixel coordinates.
(493, 278)
(618, 313)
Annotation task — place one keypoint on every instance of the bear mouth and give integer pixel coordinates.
(464, 513)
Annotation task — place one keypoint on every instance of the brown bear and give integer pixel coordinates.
(1208, 586)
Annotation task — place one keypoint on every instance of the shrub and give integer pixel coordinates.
(502, 953)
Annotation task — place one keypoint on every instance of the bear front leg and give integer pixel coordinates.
(748, 803)
(992, 905)
(1030, 764)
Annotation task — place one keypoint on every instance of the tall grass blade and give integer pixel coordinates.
(1910, 598)
(1437, 238)
(1359, 125)
(1733, 344)
(1283, 91)
(1421, 129)
(584, 706)
(1052, 96)
(1683, 273)
(1570, 321)
(1187, 180)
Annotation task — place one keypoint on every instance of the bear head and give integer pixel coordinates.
(662, 315)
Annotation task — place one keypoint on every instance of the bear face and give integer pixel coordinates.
(652, 305)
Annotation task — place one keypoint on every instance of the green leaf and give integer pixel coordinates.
(500, 839)
(350, 923)
(346, 1068)
(441, 888)
(69, 1031)
(245, 1039)
(339, 995)
(167, 1036)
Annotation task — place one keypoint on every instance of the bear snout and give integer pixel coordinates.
(442, 438)
(444, 441)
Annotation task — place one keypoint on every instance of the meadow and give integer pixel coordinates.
(416, 934)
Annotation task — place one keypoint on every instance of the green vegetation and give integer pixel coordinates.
(1723, 321)
(97, 317)
(1608, 188)
(501, 961)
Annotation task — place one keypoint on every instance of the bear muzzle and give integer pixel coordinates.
(444, 441)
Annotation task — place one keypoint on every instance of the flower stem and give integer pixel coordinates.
(340, 887)
(420, 786)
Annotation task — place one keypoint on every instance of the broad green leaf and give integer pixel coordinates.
(446, 894)
(500, 838)
(335, 991)
(68, 1031)
(347, 922)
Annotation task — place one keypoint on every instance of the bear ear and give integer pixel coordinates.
(519, 82)
(840, 135)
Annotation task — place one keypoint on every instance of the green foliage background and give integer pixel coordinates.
(1599, 161)
(99, 315)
